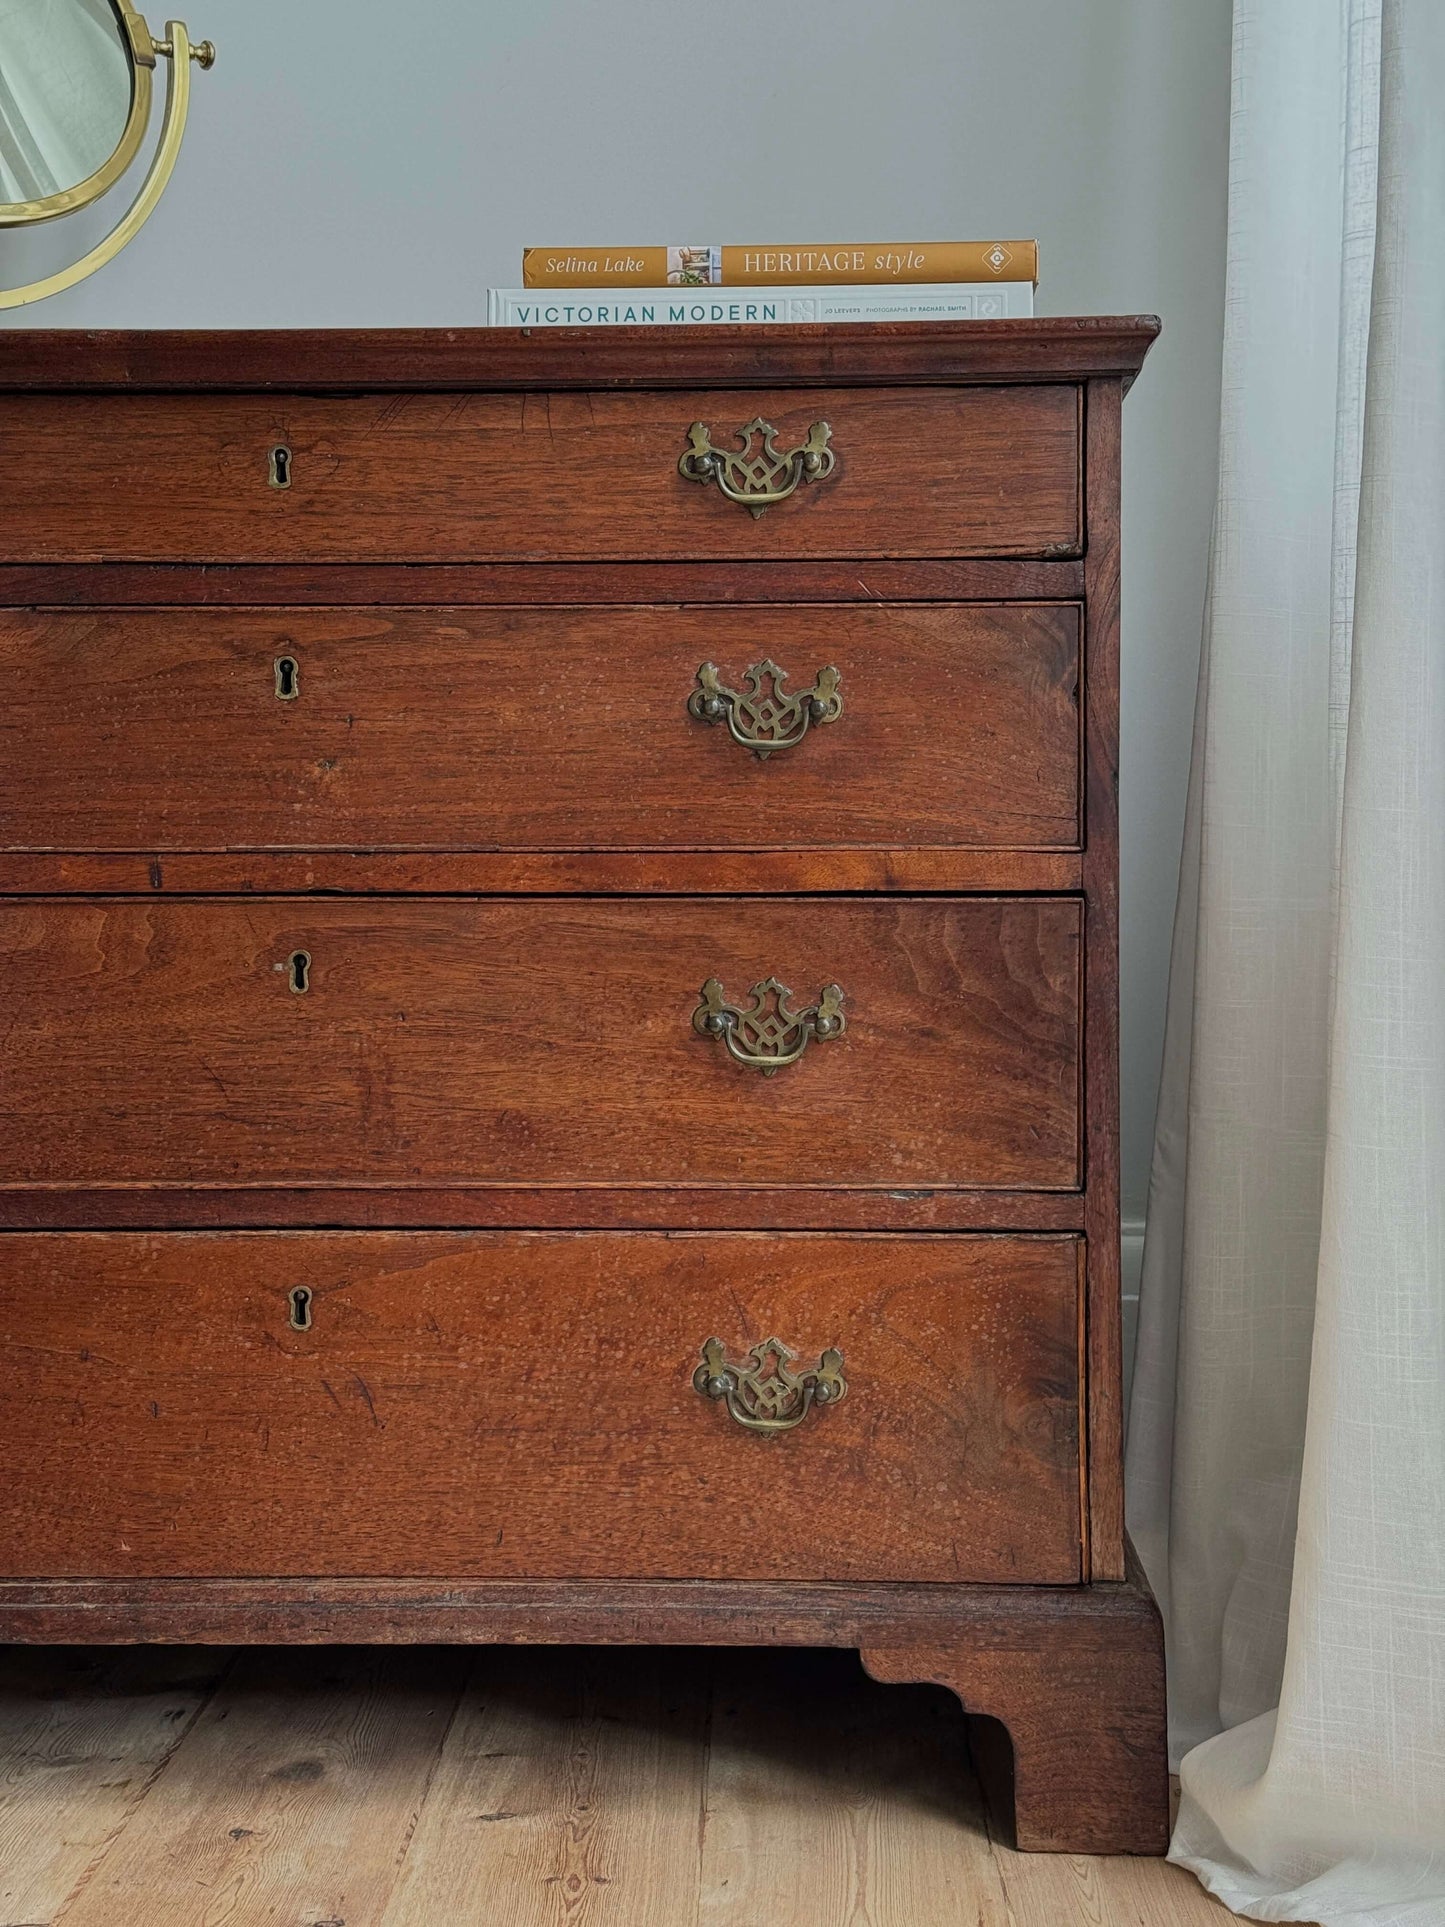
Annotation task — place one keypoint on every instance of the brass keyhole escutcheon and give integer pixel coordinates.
(288, 679)
(300, 1300)
(278, 466)
(298, 966)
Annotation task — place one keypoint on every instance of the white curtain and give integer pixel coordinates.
(1287, 1432)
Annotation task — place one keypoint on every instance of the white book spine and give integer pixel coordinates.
(684, 307)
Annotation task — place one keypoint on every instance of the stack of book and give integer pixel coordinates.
(670, 287)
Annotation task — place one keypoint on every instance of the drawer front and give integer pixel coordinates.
(524, 1404)
(486, 477)
(956, 725)
(515, 1041)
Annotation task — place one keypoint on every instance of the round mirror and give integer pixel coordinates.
(75, 103)
(68, 101)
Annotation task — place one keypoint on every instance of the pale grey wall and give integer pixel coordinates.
(352, 162)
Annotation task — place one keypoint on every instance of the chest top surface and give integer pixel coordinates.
(1044, 348)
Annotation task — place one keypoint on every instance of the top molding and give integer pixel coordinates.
(334, 360)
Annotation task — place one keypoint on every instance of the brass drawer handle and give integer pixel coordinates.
(764, 1393)
(762, 716)
(757, 479)
(768, 1034)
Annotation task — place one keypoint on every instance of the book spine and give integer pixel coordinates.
(691, 307)
(880, 263)
(576, 268)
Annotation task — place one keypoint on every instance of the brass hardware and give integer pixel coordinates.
(764, 1393)
(288, 679)
(757, 479)
(768, 1034)
(144, 48)
(278, 466)
(203, 53)
(300, 1300)
(66, 200)
(298, 966)
(763, 717)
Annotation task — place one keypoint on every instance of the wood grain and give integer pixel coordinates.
(291, 1798)
(1069, 1729)
(476, 477)
(719, 1612)
(83, 1735)
(679, 1788)
(863, 1810)
(548, 729)
(522, 1404)
(1043, 348)
(423, 585)
(537, 1207)
(569, 1794)
(496, 1034)
(734, 873)
(1101, 989)
(1117, 1890)
(517, 1041)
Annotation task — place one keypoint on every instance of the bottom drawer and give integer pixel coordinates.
(508, 1404)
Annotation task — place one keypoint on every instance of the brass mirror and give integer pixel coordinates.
(75, 107)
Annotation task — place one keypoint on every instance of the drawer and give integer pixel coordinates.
(522, 1404)
(389, 1042)
(486, 477)
(540, 728)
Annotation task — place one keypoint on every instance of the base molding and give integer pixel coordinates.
(644, 1612)
(1074, 1673)
(1067, 1719)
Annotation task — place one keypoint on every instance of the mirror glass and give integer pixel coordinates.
(65, 93)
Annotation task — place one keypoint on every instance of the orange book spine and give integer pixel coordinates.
(873, 263)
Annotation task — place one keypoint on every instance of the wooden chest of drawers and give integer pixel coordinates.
(557, 930)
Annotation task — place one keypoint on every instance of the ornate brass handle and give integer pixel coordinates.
(757, 478)
(762, 716)
(768, 1034)
(764, 1393)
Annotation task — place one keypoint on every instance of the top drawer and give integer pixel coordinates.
(925, 472)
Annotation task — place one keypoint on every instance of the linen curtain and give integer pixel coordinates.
(1286, 1457)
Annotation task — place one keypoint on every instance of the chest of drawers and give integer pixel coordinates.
(557, 930)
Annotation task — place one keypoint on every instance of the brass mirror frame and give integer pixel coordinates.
(66, 200)
(144, 50)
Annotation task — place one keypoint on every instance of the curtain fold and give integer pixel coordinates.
(1287, 1433)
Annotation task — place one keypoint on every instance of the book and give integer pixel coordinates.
(681, 307)
(861, 265)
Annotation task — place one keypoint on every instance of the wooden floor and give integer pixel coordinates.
(441, 1787)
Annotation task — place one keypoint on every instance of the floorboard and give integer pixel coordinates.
(569, 1791)
(83, 1732)
(514, 1787)
(829, 1801)
(292, 1799)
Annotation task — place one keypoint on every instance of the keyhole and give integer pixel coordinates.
(280, 466)
(301, 1308)
(300, 966)
(288, 678)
